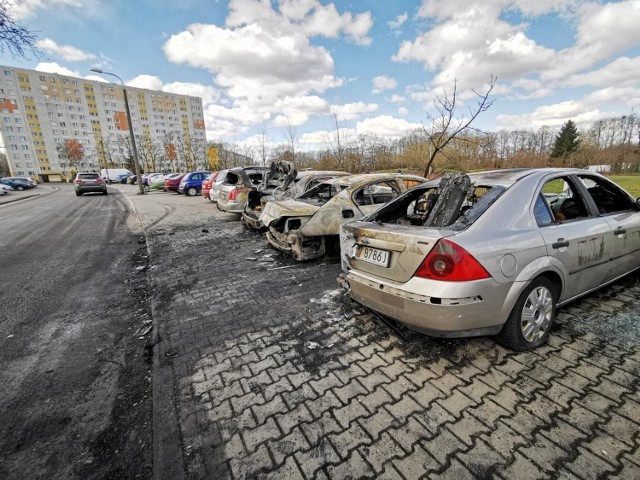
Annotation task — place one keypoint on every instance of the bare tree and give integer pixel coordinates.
(262, 144)
(447, 124)
(291, 134)
(15, 38)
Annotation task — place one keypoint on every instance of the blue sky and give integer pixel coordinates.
(265, 67)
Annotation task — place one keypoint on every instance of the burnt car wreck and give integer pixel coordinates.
(308, 226)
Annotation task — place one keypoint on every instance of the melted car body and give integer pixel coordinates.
(307, 226)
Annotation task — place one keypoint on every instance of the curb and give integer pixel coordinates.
(39, 194)
(167, 440)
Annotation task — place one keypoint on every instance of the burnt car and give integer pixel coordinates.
(239, 181)
(282, 182)
(308, 226)
(493, 253)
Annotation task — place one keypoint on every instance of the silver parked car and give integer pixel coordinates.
(239, 181)
(492, 253)
(89, 182)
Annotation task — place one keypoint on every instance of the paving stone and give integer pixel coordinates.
(320, 428)
(283, 448)
(630, 409)
(399, 387)
(382, 451)
(443, 446)
(269, 409)
(376, 423)
(523, 469)
(353, 467)
(301, 394)
(409, 434)
(374, 380)
(403, 407)
(323, 384)
(350, 412)
(351, 438)
(251, 399)
(606, 447)
(374, 400)
(259, 435)
(251, 464)
(620, 428)
(456, 403)
(488, 412)
(587, 466)
(312, 460)
(289, 470)
(416, 464)
(294, 417)
(323, 403)
(481, 459)
(544, 453)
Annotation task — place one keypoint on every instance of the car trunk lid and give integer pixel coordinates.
(393, 254)
(286, 208)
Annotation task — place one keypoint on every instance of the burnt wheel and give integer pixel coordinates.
(530, 321)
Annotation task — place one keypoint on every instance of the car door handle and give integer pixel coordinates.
(620, 231)
(560, 243)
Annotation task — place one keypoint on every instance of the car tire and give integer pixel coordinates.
(531, 319)
(78, 194)
(191, 192)
(105, 192)
(19, 188)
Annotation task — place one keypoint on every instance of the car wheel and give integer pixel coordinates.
(78, 194)
(530, 321)
(19, 188)
(105, 192)
(191, 191)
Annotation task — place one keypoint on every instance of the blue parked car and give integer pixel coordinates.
(191, 183)
(17, 183)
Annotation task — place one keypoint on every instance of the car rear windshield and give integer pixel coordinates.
(88, 176)
(452, 204)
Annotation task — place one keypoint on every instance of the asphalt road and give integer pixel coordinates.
(75, 378)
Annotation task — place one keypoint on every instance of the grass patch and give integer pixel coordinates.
(631, 183)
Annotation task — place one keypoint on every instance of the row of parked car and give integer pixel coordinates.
(489, 253)
(9, 184)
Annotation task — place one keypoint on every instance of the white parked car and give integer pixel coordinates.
(4, 189)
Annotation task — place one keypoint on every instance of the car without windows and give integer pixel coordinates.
(280, 183)
(89, 182)
(492, 253)
(308, 226)
(239, 181)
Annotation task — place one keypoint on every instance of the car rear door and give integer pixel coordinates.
(579, 241)
(620, 212)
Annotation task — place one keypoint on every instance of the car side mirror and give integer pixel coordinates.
(348, 213)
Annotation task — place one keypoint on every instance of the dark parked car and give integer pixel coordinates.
(172, 184)
(17, 183)
(89, 182)
(191, 183)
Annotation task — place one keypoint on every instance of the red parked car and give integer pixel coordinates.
(206, 184)
(171, 184)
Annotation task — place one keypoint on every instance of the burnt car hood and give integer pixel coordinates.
(286, 208)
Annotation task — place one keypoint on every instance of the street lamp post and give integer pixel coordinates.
(134, 150)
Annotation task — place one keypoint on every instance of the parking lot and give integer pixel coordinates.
(266, 369)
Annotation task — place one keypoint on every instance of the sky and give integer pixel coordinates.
(302, 68)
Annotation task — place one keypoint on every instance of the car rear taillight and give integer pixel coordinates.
(233, 194)
(99, 180)
(452, 263)
(77, 180)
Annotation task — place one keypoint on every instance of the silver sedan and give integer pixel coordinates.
(492, 253)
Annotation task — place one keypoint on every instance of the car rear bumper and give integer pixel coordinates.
(251, 220)
(231, 207)
(91, 188)
(302, 248)
(439, 317)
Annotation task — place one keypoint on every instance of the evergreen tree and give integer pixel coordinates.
(567, 141)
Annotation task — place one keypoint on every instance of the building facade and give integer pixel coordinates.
(54, 125)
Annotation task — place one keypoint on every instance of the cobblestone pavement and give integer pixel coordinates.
(277, 374)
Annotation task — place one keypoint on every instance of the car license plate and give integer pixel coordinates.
(374, 256)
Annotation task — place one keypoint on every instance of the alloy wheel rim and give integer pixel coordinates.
(537, 313)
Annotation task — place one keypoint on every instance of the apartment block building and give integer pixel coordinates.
(53, 125)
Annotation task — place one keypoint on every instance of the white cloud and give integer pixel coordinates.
(21, 9)
(208, 93)
(382, 83)
(386, 126)
(352, 111)
(403, 111)
(398, 21)
(554, 115)
(621, 72)
(52, 67)
(66, 52)
(328, 138)
(397, 99)
(150, 82)
(628, 96)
